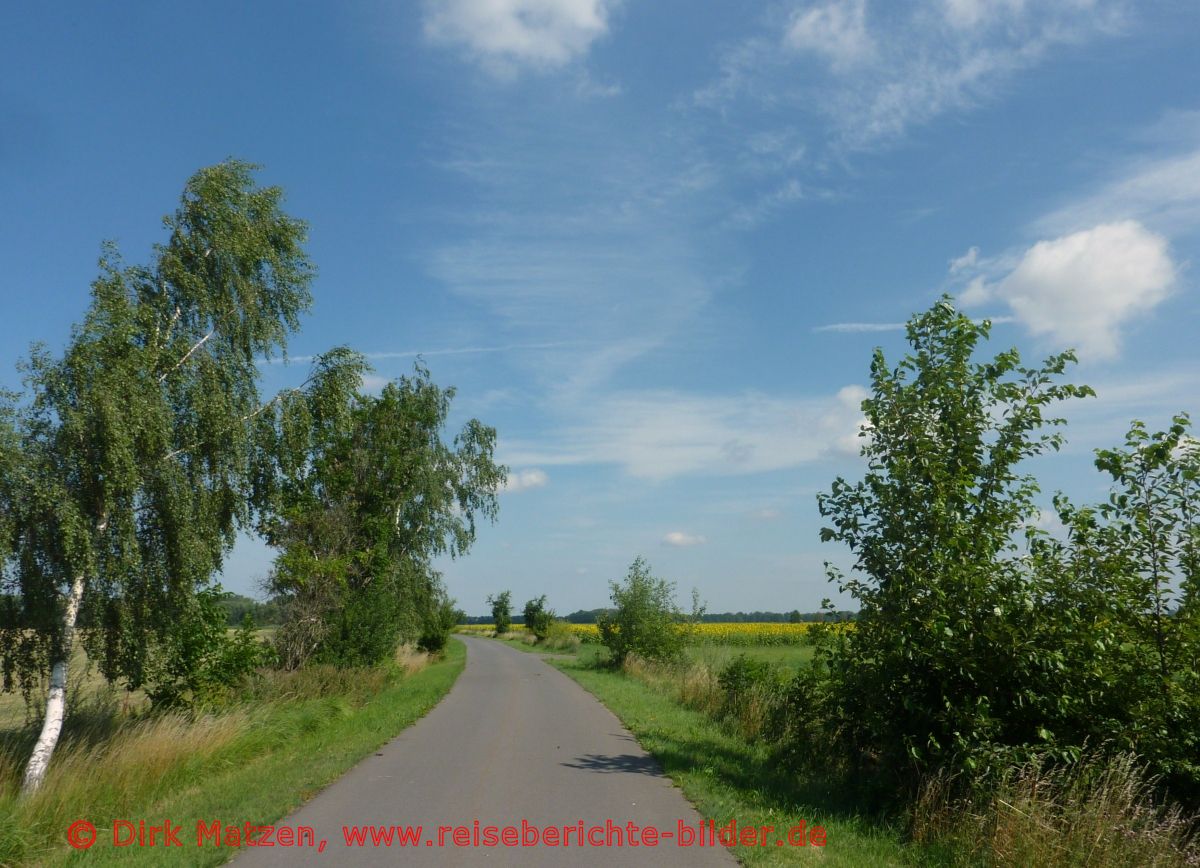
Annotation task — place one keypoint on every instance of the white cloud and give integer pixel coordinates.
(1081, 289)
(894, 66)
(977, 292)
(837, 31)
(969, 14)
(506, 34)
(1152, 395)
(855, 327)
(1164, 192)
(682, 540)
(374, 383)
(660, 435)
(523, 480)
(967, 260)
(1049, 521)
(767, 204)
(766, 514)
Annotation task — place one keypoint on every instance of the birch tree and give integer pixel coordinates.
(126, 468)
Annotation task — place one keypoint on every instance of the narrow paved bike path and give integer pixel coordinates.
(514, 740)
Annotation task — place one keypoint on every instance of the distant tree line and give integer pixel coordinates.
(590, 616)
(237, 607)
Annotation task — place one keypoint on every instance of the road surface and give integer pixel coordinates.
(514, 740)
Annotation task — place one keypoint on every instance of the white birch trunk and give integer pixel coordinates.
(56, 701)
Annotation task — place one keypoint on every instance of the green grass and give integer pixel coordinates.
(717, 656)
(727, 778)
(529, 648)
(256, 762)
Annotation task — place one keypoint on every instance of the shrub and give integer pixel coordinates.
(538, 618)
(365, 630)
(196, 660)
(435, 631)
(561, 637)
(501, 611)
(645, 620)
(752, 691)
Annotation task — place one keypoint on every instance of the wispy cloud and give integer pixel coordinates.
(680, 539)
(585, 241)
(876, 69)
(1162, 191)
(446, 351)
(856, 327)
(837, 31)
(767, 204)
(460, 351)
(661, 435)
(1153, 395)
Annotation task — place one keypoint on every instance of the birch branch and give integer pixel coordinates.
(188, 355)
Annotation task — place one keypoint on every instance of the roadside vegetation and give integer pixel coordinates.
(282, 738)
(128, 467)
(1004, 695)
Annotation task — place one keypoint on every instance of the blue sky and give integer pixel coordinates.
(653, 243)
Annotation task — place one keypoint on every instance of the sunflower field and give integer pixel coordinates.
(744, 633)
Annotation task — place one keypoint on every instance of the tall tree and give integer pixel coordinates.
(125, 472)
(367, 495)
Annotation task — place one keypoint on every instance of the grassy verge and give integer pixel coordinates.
(710, 654)
(253, 762)
(726, 777)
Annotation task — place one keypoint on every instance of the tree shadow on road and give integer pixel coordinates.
(629, 763)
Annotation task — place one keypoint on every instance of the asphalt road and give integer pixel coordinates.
(514, 740)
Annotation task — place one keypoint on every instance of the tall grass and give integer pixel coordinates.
(1099, 811)
(113, 764)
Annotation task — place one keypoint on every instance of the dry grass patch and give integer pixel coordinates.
(411, 659)
(1098, 812)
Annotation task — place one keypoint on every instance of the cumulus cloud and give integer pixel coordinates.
(507, 34)
(1049, 521)
(1080, 289)
(836, 31)
(523, 480)
(680, 539)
